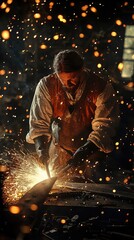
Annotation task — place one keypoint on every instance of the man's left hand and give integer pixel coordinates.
(82, 153)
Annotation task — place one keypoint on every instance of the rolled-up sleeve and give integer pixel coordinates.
(106, 120)
(40, 113)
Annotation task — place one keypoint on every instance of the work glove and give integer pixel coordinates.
(42, 148)
(82, 153)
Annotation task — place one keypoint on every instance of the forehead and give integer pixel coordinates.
(65, 75)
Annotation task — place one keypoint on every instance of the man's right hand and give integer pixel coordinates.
(42, 147)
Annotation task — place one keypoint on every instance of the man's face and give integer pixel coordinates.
(70, 81)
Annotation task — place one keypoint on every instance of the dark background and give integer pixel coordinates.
(26, 56)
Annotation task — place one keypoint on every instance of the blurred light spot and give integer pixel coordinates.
(93, 9)
(37, 1)
(72, 4)
(7, 10)
(89, 26)
(96, 54)
(51, 4)
(9, 1)
(3, 168)
(126, 180)
(63, 221)
(132, 16)
(120, 66)
(117, 144)
(113, 34)
(84, 8)
(107, 179)
(14, 209)
(99, 65)
(61, 18)
(49, 17)
(130, 84)
(25, 229)
(100, 179)
(125, 3)
(56, 37)
(43, 46)
(83, 14)
(2, 72)
(33, 207)
(5, 34)
(114, 191)
(81, 35)
(118, 22)
(37, 15)
(73, 45)
(3, 5)
(80, 172)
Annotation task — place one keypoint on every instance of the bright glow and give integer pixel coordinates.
(24, 172)
(9, 1)
(83, 14)
(93, 9)
(3, 168)
(2, 72)
(3, 5)
(43, 46)
(5, 34)
(89, 26)
(120, 66)
(61, 18)
(56, 37)
(113, 34)
(7, 10)
(99, 65)
(107, 179)
(49, 17)
(14, 209)
(84, 8)
(81, 35)
(72, 4)
(96, 54)
(37, 15)
(33, 207)
(118, 22)
(63, 221)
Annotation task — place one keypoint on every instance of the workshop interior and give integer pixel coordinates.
(33, 204)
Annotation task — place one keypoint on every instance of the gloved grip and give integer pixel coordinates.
(41, 146)
(82, 153)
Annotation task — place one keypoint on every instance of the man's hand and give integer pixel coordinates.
(42, 147)
(82, 153)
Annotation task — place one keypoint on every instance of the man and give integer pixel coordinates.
(73, 117)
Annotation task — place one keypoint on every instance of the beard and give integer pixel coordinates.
(71, 88)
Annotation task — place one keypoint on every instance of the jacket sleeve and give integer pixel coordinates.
(106, 120)
(40, 113)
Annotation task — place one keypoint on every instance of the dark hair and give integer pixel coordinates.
(68, 61)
